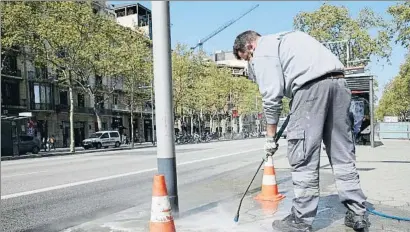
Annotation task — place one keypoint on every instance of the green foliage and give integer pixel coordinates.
(245, 96)
(212, 90)
(135, 66)
(395, 100)
(333, 23)
(200, 85)
(401, 22)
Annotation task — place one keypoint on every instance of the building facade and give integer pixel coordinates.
(26, 88)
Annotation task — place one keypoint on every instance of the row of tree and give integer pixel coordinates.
(202, 88)
(78, 46)
(89, 52)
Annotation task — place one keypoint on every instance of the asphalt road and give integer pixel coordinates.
(55, 193)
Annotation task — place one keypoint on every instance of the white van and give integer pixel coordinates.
(102, 139)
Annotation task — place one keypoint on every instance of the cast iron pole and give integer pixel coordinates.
(152, 112)
(371, 100)
(163, 99)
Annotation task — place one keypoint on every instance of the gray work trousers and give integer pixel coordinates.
(320, 111)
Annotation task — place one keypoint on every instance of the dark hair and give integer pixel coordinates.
(241, 41)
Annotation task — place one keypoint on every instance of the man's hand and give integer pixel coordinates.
(270, 145)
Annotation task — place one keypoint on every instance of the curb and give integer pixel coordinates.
(32, 156)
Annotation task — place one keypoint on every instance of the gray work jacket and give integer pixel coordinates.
(283, 62)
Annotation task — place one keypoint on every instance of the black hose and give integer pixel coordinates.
(277, 137)
(236, 219)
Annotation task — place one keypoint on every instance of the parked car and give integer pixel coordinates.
(102, 139)
(29, 144)
(280, 123)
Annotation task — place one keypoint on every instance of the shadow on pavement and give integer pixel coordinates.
(386, 161)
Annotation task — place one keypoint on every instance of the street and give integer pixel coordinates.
(111, 191)
(51, 194)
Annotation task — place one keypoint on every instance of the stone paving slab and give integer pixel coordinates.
(252, 218)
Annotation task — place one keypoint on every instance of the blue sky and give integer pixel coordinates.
(196, 19)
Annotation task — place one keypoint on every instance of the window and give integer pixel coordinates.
(41, 72)
(95, 135)
(114, 135)
(63, 98)
(10, 92)
(105, 136)
(98, 81)
(120, 12)
(9, 64)
(80, 100)
(115, 100)
(41, 93)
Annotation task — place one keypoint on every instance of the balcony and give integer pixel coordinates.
(42, 106)
(83, 110)
(120, 108)
(22, 104)
(13, 72)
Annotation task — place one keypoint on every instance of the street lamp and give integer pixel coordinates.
(152, 108)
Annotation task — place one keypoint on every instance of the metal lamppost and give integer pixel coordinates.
(166, 159)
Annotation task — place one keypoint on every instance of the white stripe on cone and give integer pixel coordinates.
(161, 209)
(269, 180)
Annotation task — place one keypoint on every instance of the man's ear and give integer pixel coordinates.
(249, 47)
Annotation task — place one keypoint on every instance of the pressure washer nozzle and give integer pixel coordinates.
(236, 219)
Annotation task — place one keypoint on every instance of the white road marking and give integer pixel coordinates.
(14, 195)
(22, 174)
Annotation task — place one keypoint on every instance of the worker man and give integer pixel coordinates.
(295, 65)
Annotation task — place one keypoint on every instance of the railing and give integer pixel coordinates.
(394, 130)
(11, 72)
(84, 110)
(11, 105)
(42, 106)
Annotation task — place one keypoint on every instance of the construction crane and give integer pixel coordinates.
(223, 27)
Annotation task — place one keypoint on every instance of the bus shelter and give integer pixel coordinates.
(361, 85)
(10, 132)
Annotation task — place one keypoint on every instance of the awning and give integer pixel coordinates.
(22, 115)
(359, 82)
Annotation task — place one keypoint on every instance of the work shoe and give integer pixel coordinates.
(291, 224)
(356, 222)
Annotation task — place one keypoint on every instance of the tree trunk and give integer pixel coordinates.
(70, 89)
(211, 124)
(200, 125)
(98, 117)
(132, 128)
(241, 123)
(192, 124)
(132, 115)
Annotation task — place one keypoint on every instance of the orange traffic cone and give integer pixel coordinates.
(270, 190)
(269, 207)
(161, 217)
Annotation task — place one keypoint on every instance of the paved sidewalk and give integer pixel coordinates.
(384, 173)
(78, 151)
